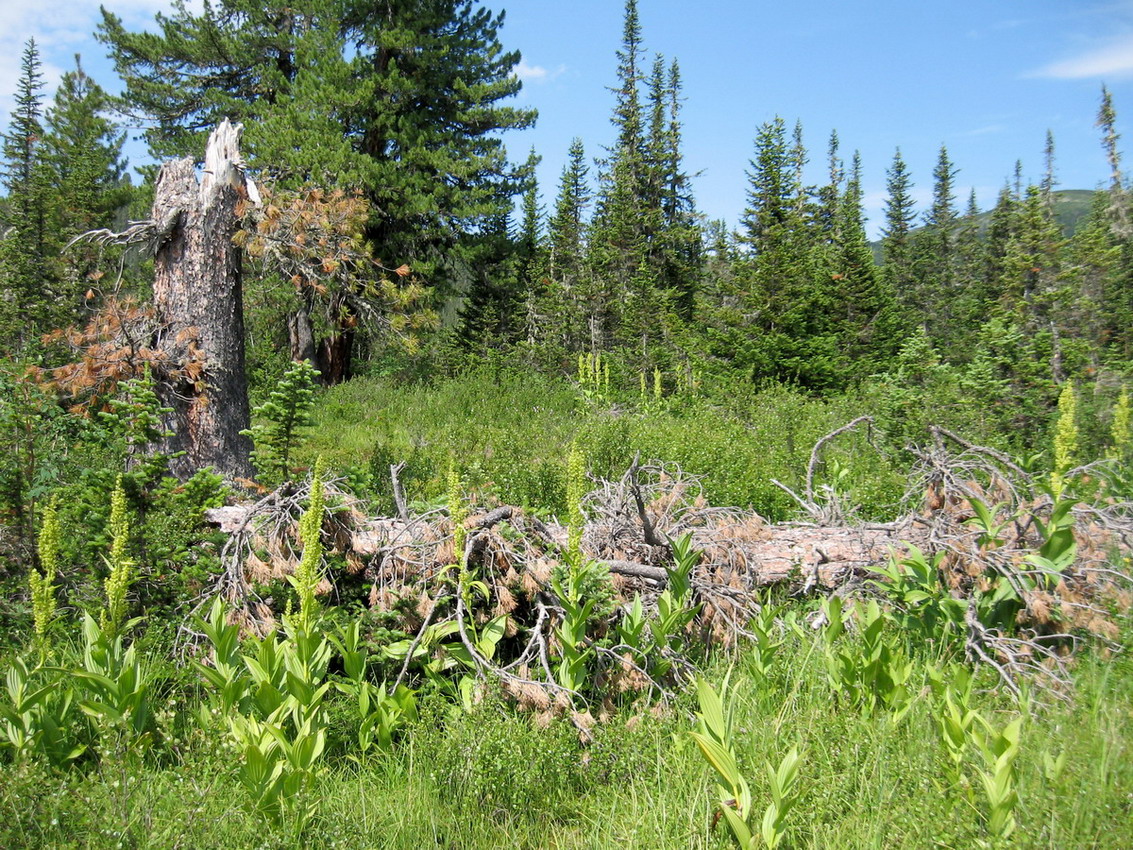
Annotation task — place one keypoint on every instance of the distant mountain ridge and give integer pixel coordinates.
(1070, 206)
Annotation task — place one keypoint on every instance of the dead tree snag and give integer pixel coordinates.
(198, 299)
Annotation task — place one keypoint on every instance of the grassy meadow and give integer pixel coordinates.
(112, 734)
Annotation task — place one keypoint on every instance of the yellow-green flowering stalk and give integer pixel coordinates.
(1065, 438)
(576, 489)
(43, 584)
(457, 511)
(118, 581)
(309, 571)
(1121, 432)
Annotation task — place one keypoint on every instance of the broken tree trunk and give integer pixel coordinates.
(198, 297)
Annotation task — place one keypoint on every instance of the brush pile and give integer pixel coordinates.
(1036, 572)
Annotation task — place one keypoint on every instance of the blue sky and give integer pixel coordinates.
(987, 78)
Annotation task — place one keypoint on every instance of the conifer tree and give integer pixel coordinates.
(1002, 226)
(826, 215)
(1048, 182)
(786, 294)
(561, 309)
(25, 301)
(935, 253)
(1119, 201)
(670, 231)
(1031, 263)
(771, 189)
(402, 101)
(896, 244)
(22, 141)
(618, 241)
(1092, 267)
(864, 315)
(82, 150)
(493, 316)
(530, 246)
(567, 226)
(974, 298)
(1119, 292)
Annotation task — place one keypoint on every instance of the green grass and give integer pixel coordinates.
(511, 434)
(492, 779)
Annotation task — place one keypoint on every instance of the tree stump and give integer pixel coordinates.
(198, 297)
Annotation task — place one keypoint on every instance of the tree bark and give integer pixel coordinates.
(198, 297)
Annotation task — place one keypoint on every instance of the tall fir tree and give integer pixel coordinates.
(1001, 229)
(935, 253)
(772, 190)
(1093, 262)
(864, 316)
(677, 248)
(787, 298)
(82, 149)
(1119, 292)
(829, 194)
(402, 101)
(974, 298)
(896, 235)
(1049, 180)
(618, 241)
(26, 298)
(495, 313)
(563, 308)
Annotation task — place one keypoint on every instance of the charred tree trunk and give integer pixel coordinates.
(198, 297)
(330, 355)
(301, 335)
(334, 355)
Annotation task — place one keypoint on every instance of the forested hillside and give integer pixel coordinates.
(400, 158)
(546, 515)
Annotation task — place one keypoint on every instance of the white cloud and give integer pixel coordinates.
(985, 131)
(61, 28)
(1112, 59)
(536, 73)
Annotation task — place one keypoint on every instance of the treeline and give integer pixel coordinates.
(389, 238)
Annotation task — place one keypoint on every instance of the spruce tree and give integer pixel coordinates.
(1048, 182)
(618, 240)
(826, 215)
(864, 313)
(671, 232)
(1001, 229)
(1092, 267)
(771, 189)
(561, 307)
(935, 253)
(785, 294)
(401, 101)
(567, 226)
(975, 297)
(1031, 262)
(22, 141)
(1119, 201)
(896, 242)
(494, 317)
(82, 150)
(1119, 292)
(26, 300)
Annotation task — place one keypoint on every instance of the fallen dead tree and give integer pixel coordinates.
(397, 557)
(408, 564)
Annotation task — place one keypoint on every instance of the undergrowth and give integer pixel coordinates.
(511, 432)
(489, 778)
